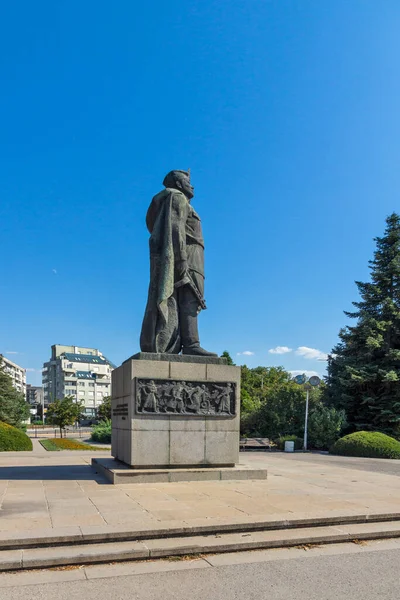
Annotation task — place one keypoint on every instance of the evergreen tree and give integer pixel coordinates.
(13, 407)
(364, 368)
(228, 357)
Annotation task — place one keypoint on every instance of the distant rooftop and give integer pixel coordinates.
(88, 358)
(84, 375)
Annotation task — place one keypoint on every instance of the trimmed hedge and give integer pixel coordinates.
(369, 444)
(298, 442)
(13, 439)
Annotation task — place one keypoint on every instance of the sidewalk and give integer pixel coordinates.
(47, 491)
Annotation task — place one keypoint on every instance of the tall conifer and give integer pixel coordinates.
(364, 368)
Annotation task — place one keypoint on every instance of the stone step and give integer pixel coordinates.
(31, 558)
(63, 536)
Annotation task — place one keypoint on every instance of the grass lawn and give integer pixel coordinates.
(56, 444)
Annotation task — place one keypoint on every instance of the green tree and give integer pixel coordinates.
(364, 368)
(104, 410)
(283, 411)
(64, 412)
(228, 357)
(13, 407)
(257, 383)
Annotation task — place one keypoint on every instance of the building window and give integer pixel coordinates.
(91, 384)
(81, 383)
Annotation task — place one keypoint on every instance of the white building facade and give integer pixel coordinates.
(17, 374)
(83, 373)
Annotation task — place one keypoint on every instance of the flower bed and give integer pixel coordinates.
(55, 444)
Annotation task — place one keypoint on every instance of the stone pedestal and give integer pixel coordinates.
(171, 411)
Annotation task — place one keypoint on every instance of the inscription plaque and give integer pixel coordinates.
(191, 398)
(121, 410)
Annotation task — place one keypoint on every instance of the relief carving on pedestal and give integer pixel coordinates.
(190, 398)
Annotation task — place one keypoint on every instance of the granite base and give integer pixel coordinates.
(116, 472)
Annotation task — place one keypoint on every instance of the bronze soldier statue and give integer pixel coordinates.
(176, 271)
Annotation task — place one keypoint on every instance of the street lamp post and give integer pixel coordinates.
(307, 387)
(313, 381)
(94, 375)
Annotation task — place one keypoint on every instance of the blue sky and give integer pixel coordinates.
(285, 111)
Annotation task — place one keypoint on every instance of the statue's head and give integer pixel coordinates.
(180, 180)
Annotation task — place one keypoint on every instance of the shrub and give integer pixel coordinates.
(298, 442)
(13, 439)
(325, 426)
(102, 432)
(370, 444)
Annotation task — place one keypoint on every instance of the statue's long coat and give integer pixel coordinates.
(176, 237)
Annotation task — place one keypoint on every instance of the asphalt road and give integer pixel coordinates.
(351, 576)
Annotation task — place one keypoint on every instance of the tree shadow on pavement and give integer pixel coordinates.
(52, 472)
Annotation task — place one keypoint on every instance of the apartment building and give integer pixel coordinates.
(17, 374)
(83, 373)
(34, 394)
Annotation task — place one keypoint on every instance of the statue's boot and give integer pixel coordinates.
(188, 311)
(197, 351)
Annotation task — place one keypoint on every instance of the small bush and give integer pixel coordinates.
(298, 442)
(102, 432)
(325, 426)
(369, 444)
(13, 439)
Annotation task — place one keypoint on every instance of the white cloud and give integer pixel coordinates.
(11, 352)
(306, 373)
(245, 353)
(311, 353)
(54, 271)
(33, 370)
(279, 350)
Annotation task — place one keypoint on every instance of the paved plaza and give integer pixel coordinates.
(59, 490)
